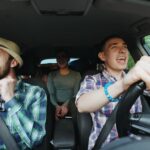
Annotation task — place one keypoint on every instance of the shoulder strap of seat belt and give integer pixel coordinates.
(6, 137)
(106, 129)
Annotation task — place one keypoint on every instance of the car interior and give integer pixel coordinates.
(42, 27)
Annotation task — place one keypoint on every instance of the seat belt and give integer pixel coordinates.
(6, 137)
(106, 129)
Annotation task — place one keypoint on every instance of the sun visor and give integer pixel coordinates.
(62, 7)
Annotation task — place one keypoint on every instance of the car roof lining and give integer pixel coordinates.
(40, 36)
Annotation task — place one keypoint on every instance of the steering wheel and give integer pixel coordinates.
(123, 112)
(125, 121)
(124, 118)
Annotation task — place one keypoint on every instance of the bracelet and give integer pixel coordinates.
(109, 97)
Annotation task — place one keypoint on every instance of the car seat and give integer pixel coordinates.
(64, 137)
(84, 126)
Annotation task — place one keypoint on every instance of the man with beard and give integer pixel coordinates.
(63, 85)
(23, 106)
(100, 93)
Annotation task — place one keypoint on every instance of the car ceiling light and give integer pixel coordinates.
(19, 0)
(62, 7)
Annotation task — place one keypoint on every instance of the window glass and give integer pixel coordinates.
(131, 62)
(146, 43)
(53, 61)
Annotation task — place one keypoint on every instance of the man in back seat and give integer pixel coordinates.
(23, 106)
(63, 85)
(98, 93)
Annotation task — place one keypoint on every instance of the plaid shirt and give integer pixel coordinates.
(25, 115)
(99, 118)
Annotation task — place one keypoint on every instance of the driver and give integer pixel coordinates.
(100, 93)
(22, 106)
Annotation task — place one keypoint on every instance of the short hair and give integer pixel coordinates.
(103, 42)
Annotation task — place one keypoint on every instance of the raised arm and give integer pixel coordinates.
(95, 99)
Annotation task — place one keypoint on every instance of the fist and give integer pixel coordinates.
(7, 88)
(140, 71)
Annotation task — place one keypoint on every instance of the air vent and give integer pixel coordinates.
(62, 7)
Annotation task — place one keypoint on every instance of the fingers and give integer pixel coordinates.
(61, 111)
(141, 71)
(64, 111)
(144, 71)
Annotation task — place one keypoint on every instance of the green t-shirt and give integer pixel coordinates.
(63, 88)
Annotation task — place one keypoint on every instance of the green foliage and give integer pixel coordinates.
(147, 41)
(131, 62)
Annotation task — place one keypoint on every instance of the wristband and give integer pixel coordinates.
(109, 97)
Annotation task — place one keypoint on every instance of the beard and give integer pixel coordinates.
(4, 71)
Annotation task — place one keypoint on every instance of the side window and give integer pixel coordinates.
(131, 62)
(146, 43)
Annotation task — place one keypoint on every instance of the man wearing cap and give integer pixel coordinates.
(23, 106)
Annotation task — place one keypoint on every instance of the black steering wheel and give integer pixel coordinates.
(121, 115)
(125, 121)
(123, 112)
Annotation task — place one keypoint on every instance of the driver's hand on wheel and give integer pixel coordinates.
(141, 71)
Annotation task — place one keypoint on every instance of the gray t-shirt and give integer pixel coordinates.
(63, 88)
